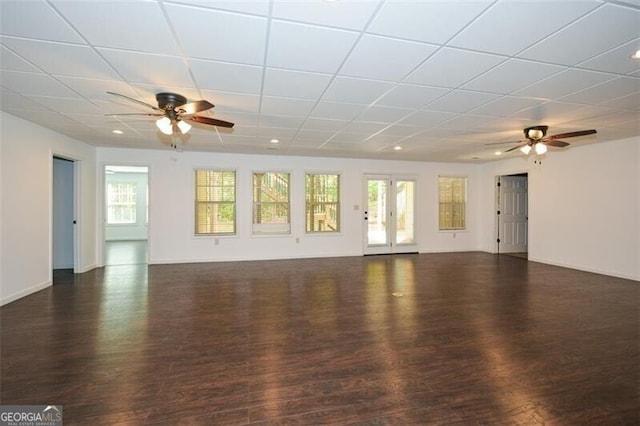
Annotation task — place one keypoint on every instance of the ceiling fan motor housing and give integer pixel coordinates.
(169, 101)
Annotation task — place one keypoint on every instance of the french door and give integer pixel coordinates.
(389, 214)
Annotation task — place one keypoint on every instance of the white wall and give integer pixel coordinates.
(27, 171)
(583, 207)
(171, 223)
(134, 231)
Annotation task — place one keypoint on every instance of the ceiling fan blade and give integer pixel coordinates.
(135, 100)
(210, 121)
(557, 143)
(196, 106)
(138, 113)
(515, 147)
(573, 134)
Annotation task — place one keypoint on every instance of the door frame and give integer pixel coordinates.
(497, 206)
(102, 189)
(77, 228)
(391, 247)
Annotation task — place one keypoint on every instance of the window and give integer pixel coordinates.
(271, 203)
(322, 194)
(215, 202)
(121, 203)
(453, 199)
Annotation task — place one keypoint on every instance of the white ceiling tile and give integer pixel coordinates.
(254, 7)
(282, 134)
(286, 106)
(606, 91)
(453, 67)
(226, 77)
(112, 23)
(505, 106)
(12, 62)
(295, 84)
(411, 96)
(512, 75)
(80, 61)
(12, 101)
(427, 118)
(364, 127)
(631, 101)
(337, 111)
(66, 105)
(35, 19)
(281, 121)
(432, 22)
(549, 113)
(97, 89)
(308, 135)
(308, 48)
(324, 124)
(563, 84)
(343, 14)
(148, 68)
(208, 34)
(355, 90)
(460, 101)
(588, 37)
(348, 138)
(384, 58)
(402, 131)
(617, 60)
(384, 114)
(510, 26)
(35, 84)
(465, 121)
(226, 102)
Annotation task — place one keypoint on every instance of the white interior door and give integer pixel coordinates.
(513, 217)
(389, 215)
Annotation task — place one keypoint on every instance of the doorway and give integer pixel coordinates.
(63, 205)
(389, 215)
(512, 217)
(126, 224)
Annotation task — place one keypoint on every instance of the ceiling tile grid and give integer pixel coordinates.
(350, 78)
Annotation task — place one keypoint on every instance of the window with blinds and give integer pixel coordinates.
(452, 192)
(121, 203)
(322, 195)
(215, 202)
(271, 203)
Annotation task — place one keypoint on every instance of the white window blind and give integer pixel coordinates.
(215, 202)
(121, 203)
(452, 192)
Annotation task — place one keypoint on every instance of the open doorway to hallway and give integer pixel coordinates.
(512, 219)
(126, 228)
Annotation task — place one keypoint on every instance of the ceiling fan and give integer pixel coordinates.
(174, 110)
(538, 140)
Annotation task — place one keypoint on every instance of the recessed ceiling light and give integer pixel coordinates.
(397, 148)
(274, 141)
(497, 153)
(117, 132)
(636, 55)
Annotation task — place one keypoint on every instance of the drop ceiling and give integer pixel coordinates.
(357, 79)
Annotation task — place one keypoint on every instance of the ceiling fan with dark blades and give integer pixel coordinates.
(537, 139)
(174, 109)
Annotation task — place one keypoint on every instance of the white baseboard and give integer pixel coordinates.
(585, 269)
(27, 291)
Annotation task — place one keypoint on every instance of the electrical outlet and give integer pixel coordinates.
(297, 240)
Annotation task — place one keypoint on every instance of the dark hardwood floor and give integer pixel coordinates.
(473, 338)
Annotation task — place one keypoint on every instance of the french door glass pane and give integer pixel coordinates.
(405, 208)
(377, 211)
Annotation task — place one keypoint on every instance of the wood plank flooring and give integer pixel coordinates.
(474, 338)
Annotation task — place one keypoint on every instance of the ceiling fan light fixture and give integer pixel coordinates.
(636, 55)
(526, 149)
(535, 134)
(165, 126)
(541, 148)
(183, 126)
